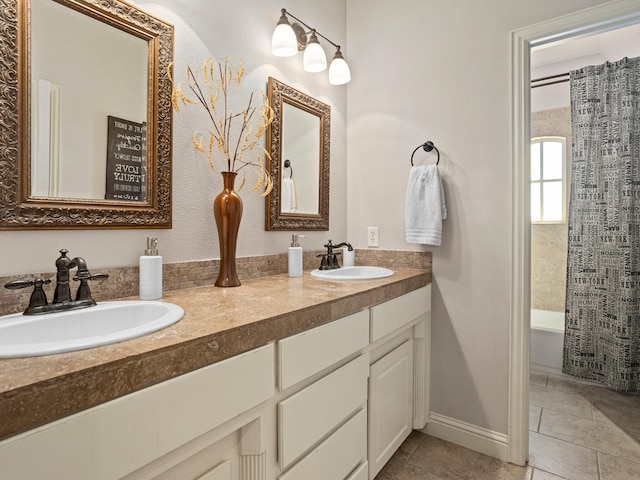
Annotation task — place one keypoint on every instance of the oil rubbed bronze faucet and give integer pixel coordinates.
(62, 295)
(330, 259)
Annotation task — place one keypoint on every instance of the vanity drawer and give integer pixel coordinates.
(306, 417)
(337, 456)
(361, 473)
(221, 472)
(308, 353)
(394, 314)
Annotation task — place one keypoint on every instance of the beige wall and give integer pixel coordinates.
(548, 266)
(549, 241)
(440, 70)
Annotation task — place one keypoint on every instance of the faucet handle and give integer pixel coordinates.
(324, 263)
(84, 292)
(99, 276)
(85, 275)
(38, 297)
(18, 284)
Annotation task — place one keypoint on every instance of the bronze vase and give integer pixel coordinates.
(227, 210)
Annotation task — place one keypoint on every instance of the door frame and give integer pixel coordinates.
(600, 18)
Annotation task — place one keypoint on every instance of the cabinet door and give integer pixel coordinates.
(390, 405)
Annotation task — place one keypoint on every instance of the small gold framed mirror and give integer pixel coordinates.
(298, 142)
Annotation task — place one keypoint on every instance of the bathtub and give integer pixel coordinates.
(547, 338)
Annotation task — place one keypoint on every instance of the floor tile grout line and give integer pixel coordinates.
(598, 452)
(565, 413)
(593, 420)
(540, 419)
(545, 471)
(573, 443)
(415, 449)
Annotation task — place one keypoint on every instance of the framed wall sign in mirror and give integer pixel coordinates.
(87, 124)
(299, 143)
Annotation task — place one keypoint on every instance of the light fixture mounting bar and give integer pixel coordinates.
(287, 12)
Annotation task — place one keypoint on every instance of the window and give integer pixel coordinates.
(548, 180)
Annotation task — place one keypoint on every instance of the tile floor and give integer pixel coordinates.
(578, 431)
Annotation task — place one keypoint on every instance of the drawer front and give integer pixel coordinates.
(140, 427)
(337, 456)
(394, 314)
(308, 353)
(306, 417)
(361, 473)
(221, 472)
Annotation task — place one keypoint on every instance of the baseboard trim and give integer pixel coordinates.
(470, 436)
(545, 369)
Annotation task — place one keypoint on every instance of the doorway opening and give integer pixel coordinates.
(555, 32)
(550, 172)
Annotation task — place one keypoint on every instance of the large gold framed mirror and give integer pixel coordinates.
(298, 142)
(86, 112)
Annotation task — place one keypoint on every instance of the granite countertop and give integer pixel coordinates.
(218, 323)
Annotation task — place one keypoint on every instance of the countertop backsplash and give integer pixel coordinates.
(123, 281)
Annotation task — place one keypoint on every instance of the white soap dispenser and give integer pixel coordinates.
(151, 271)
(295, 256)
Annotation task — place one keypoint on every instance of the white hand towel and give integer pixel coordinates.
(288, 196)
(425, 208)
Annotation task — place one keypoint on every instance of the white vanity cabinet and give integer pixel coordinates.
(318, 430)
(332, 402)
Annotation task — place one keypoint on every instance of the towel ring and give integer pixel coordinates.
(427, 146)
(287, 164)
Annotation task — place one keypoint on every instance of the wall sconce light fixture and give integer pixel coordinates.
(289, 38)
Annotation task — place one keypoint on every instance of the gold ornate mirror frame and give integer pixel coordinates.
(18, 210)
(279, 94)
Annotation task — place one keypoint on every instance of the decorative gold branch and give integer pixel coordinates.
(230, 135)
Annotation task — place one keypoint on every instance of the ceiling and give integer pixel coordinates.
(576, 52)
(560, 57)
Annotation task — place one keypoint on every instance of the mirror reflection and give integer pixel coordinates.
(298, 141)
(86, 116)
(83, 72)
(300, 153)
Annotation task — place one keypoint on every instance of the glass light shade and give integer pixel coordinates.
(339, 72)
(284, 42)
(314, 58)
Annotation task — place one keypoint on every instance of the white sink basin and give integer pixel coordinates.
(353, 273)
(67, 331)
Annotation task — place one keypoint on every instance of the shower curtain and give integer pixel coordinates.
(602, 332)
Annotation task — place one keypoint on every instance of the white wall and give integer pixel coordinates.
(243, 31)
(439, 70)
